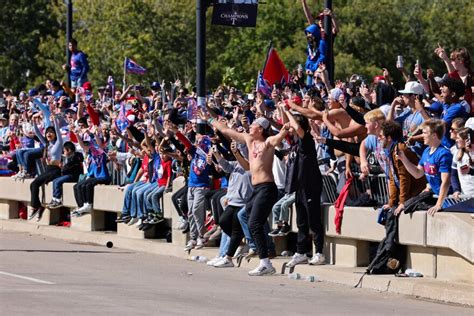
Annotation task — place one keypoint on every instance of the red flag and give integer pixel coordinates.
(275, 71)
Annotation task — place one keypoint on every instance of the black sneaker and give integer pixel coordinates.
(54, 204)
(122, 218)
(143, 224)
(40, 214)
(155, 220)
(275, 232)
(285, 230)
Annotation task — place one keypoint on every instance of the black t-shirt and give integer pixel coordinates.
(302, 169)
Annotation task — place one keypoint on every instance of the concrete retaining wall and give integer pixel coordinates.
(440, 246)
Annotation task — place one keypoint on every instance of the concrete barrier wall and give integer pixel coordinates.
(440, 246)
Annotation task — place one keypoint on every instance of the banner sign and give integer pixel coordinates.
(237, 15)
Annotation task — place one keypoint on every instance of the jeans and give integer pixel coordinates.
(224, 245)
(243, 219)
(29, 158)
(20, 156)
(281, 209)
(138, 207)
(127, 200)
(197, 211)
(58, 185)
(152, 200)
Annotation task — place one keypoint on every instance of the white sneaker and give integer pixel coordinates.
(213, 261)
(297, 259)
(242, 250)
(139, 222)
(182, 223)
(262, 269)
(132, 221)
(318, 259)
(224, 263)
(190, 245)
(200, 243)
(86, 208)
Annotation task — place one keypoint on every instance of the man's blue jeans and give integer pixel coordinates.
(58, 185)
(127, 200)
(243, 219)
(152, 200)
(224, 245)
(138, 206)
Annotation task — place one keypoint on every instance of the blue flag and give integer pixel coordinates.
(134, 68)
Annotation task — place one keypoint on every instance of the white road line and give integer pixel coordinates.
(26, 278)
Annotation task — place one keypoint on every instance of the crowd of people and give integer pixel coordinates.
(247, 157)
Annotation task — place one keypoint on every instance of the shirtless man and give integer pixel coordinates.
(261, 150)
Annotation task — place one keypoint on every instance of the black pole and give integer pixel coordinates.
(329, 41)
(68, 37)
(201, 52)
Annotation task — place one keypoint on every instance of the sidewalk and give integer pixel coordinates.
(425, 288)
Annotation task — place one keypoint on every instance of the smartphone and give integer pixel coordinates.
(399, 61)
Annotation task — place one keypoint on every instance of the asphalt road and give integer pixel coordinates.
(42, 276)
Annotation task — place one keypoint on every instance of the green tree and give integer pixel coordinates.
(19, 39)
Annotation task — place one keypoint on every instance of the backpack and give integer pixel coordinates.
(390, 256)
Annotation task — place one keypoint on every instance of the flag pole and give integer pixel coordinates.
(270, 46)
(124, 73)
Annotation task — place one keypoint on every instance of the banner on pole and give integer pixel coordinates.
(235, 14)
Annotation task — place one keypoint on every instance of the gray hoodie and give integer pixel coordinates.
(240, 185)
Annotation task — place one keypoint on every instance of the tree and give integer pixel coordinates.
(19, 40)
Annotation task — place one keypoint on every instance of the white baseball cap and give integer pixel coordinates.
(412, 87)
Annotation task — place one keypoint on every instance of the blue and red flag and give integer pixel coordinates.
(133, 68)
(263, 86)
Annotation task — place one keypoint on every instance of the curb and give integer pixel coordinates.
(425, 288)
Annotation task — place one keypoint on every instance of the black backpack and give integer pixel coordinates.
(390, 256)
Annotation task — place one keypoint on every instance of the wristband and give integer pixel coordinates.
(211, 120)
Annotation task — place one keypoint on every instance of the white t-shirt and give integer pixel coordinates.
(466, 180)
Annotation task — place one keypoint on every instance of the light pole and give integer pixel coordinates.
(329, 41)
(201, 6)
(68, 37)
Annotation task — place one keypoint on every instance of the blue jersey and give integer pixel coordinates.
(434, 164)
(199, 170)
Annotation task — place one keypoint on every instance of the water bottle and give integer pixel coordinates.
(312, 278)
(413, 274)
(294, 276)
(199, 259)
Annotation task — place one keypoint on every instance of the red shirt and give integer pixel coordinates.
(166, 166)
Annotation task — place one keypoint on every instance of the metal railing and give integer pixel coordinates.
(375, 185)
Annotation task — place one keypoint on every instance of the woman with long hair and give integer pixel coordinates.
(52, 153)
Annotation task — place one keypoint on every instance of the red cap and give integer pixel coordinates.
(377, 79)
(87, 86)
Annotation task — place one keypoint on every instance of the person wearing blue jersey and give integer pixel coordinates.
(435, 163)
(78, 66)
(97, 173)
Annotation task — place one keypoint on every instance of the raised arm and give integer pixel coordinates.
(307, 13)
(294, 124)
(278, 138)
(242, 161)
(221, 127)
